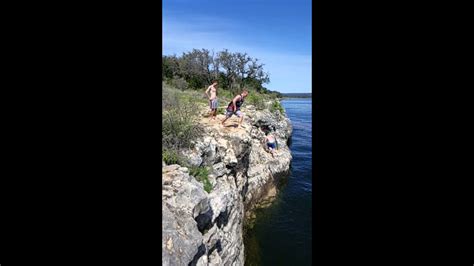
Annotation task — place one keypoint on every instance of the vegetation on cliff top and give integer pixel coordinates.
(197, 69)
(180, 119)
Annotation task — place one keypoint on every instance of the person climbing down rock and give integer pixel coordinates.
(234, 107)
(271, 142)
(212, 99)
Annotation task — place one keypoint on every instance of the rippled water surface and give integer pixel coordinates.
(282, 233)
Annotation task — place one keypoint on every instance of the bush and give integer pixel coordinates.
(179, 129)
(193, 97)
(221, 110)
(201, 174)
(179, 83)
(276, 106)
(256, 100)
(171, 157)
(224, 96)
(169, 97)
(179, 120)
(207, 185)
(199, 171)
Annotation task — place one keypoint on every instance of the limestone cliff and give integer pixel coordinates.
(201, 228)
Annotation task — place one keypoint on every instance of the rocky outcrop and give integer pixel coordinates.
(201, 228)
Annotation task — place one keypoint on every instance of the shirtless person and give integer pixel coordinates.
(271, 142)
(212, 99)
(234, 107)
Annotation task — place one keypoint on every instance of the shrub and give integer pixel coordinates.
(179, 120)
(276, 106)
(224, 96)
(169, 98)
(221, 110)
(171, 157)
(201, 174)
(179, 83)
(207, 185)
(193, 97)
(256, 100)
(198, 171)
(179, 129)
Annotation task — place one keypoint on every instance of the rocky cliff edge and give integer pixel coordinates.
(201, 228)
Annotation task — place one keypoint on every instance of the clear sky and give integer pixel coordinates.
(276, 32)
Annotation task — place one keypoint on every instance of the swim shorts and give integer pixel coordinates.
(238, 113)
(271, 145)
(213, 103)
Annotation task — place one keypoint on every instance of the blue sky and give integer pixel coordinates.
(278, 33)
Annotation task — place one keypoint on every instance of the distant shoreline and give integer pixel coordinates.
(296, 95)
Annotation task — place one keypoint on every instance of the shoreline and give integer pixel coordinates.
(285, 98)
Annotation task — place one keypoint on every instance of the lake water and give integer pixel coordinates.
(282, 233)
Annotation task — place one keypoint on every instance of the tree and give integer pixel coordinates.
(170, 66)
(233, 70)
(226, 60)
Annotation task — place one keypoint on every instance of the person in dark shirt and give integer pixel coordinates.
(234, 107)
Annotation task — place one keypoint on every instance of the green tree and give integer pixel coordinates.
(199, 68)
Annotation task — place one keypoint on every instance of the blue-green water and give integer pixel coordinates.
(282, 233)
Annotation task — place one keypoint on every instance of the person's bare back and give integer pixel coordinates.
(270, 142)
(270, 138)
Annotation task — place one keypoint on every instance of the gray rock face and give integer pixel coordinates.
(180, 238)
(201, 228)
(219, 169)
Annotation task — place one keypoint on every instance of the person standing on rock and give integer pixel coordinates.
(234, 107)
(212, 99)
